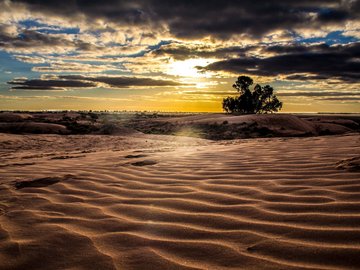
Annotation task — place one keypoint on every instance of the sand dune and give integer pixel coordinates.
(33, 127)
(14, 117)
(207, 126)
(224, 126)
(164, 202)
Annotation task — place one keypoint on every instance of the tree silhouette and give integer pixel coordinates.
(260, 100)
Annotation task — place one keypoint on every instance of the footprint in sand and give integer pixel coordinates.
(144, 163)
(67, 157)
(135, 156)
(41, 182)
(350, 164)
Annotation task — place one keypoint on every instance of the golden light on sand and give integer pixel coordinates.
(188, 68)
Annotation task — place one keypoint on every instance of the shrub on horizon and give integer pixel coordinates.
(260, 100)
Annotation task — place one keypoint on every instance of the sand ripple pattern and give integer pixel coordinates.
(250, 204)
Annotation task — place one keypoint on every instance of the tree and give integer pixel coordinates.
(260, 100)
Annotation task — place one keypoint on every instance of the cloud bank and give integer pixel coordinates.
(64, 82)
(309, 45)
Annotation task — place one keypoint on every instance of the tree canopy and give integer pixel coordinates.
(259, 100)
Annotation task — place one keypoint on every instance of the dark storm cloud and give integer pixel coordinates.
(318, 94)
(183, 51)
(193, 19)
(298, 48)
(331, 62)
(40, 84)
(342, 99)
(30, 39)
(129, 12)
(333, 15)
(78, 81)
(122, 82)
(337, 95)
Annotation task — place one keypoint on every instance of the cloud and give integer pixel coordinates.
(339, 95)
(299, 63)
(318, 94)
(355, 99)
(183, 51)
(122, 82)
(118, 29)
(28, 41)
(30, 59)
(196, 19)
(41, 84)
(74, 67)
(277, 39)
(64, 82)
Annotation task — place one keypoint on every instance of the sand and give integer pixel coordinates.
(166, 202)
(206, 126)
(223, 126)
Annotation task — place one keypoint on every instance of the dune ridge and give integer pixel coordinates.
(275, 203)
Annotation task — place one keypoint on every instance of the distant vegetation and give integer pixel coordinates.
(260, 100)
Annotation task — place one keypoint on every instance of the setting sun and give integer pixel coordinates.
(188, 68)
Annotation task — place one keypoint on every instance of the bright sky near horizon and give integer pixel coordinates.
(177, 55)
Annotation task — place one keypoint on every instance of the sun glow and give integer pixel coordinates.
(187, 68)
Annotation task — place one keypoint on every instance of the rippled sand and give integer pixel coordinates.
(102, 202)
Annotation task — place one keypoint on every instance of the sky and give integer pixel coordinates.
(159, 55)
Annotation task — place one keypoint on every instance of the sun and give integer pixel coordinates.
(187, 68)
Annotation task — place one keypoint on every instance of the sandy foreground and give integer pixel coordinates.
(166, 202)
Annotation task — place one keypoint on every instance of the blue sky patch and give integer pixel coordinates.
(332, 38)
